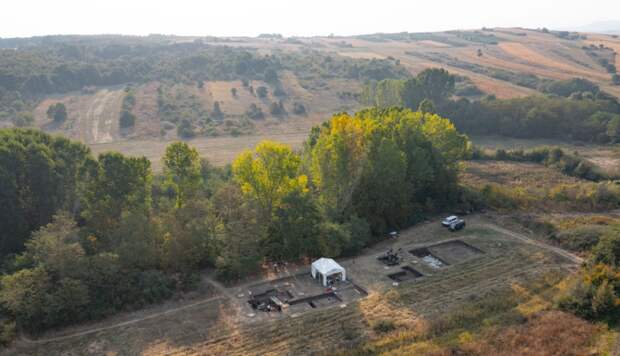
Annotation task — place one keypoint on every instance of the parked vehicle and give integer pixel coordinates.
(449, 220)
(457, 225)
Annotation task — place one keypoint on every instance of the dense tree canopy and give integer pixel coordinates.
(576, 109)
(83, 237)
(39, 174)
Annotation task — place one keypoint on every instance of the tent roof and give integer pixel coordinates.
(326, 265)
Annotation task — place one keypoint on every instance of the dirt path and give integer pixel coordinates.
(574, 258)
(121, 324)
(102, 116)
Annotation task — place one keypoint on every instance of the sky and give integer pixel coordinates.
(23, 18)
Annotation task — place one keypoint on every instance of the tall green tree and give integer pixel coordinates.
(39, 175)
(182, 170)
(116, 185)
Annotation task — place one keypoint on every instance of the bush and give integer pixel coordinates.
(299, 108)
(384, 326)
(185, 129)
(57, 112)
(580, 239)
(254, 112)
(7, 332)
(127, 119)
(261, 92)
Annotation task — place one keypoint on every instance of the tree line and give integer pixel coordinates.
(83, 236)
(575, 110)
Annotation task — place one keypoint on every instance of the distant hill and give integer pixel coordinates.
(612, 27)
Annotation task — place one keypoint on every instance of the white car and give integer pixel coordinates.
(449, 220)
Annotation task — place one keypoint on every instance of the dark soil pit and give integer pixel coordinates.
(283, 295)
(429, 257)
(317, 301)
(406, 274)
(454, 251)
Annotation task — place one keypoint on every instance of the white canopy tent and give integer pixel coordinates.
(326, 267)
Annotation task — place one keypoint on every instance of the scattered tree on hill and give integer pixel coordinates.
(254, 112)
(185, 129)
(57, 112)
(261, 92)
(299, 108)
(127, 119)
(217, 111)
(233, 92)
(277, 109)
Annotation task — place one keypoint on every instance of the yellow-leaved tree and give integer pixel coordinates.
(268, 174)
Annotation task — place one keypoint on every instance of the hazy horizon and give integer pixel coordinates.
(319, 18)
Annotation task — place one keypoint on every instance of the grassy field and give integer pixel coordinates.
(218, 150)
(605, 156)
(507, 265)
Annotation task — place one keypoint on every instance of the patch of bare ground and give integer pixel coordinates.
(92, 118)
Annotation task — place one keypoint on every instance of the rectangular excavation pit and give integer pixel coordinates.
(428, 257)
(317, 301)
(406, 274)
(283, 295)
(455, 251)
(446, 253)
(270, 300)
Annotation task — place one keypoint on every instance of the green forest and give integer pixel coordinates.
(83, 237)
(572, 110)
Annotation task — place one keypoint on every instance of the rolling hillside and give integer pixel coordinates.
(314, 80)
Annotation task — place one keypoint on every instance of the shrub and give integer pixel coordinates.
(384, 326)
(254, 112)
(261, 92)
(7, 332)
(299, 108)
(57, 112)
(581, 239)
(127, 119)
